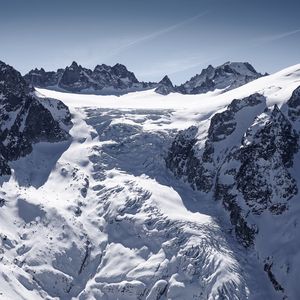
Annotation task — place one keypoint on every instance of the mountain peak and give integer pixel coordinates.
(102, 79)
(225, 77)
(11, 82)
(166, 81)
(165, 86)
(240, 67)
(74, 64)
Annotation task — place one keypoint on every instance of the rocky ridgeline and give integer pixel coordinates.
(75, 78)
(118, 80)
(25, 119)
(226, 77)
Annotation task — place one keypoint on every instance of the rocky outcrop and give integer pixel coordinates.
(26, 119)
(225, 77)
(165, 86)
(198, 161)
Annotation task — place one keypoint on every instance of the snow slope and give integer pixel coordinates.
(103, 218)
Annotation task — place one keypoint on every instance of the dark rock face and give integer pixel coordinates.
(75, 78)
(294, 105)
(227, 76)
(184, 163)
(26, 119)
(268, 270)
(244, 160)
(224, 123)
(165, 86)
(264, 154)
(41, 78)
(200, 169)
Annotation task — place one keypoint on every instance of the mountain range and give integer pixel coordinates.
(171, 192)
(118, 80)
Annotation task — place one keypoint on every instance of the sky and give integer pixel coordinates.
(152, 38)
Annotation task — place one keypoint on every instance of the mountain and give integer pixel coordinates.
(226, 77)
(246, 158)
(165, 86)
(75, 78)
(25, 119)
(150, 196)
(118, 80)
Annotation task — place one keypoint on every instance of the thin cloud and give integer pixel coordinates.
(156, 34)
(277, 37)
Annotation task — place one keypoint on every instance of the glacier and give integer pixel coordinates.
(102, 217)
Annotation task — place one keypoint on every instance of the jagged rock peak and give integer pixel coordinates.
(227, 76)
(239, 67)
(11, 82)
(76, 78)
(74, 64)
(165, 86)
(166, 81)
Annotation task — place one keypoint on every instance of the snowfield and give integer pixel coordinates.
(101, 217)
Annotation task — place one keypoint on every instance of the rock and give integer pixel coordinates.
(244, 160)
(77, 79)
(26, 118)
(225, 77)
(118, 80)
(294, 105)
(165, 86)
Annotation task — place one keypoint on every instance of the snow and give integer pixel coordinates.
(102, 218)
(277, 88)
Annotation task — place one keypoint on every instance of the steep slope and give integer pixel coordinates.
(25, 119)
(225, 77)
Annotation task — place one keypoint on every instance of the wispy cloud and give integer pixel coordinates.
(155, 34)
(277, 37)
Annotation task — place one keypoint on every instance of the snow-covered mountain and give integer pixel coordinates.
(157, 196)
(103, 79)
(117, 80)
(25, 119)
(226, 77)
(165, 86)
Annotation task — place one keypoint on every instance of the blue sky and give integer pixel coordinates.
(152, 38)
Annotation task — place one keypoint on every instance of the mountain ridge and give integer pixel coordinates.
(118, 80)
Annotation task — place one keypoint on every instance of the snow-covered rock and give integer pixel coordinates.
(225, 77)
(25, 119)
(117, 80)
(245, 158)
(165, 86)
(103, 79)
